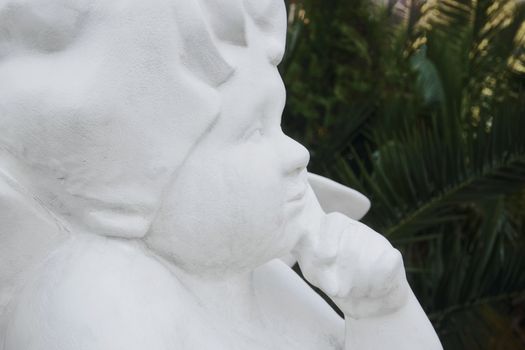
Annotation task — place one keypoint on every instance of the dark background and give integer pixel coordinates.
(420, 105)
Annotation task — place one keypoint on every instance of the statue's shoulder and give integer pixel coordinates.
(28, 233)
(99, 294)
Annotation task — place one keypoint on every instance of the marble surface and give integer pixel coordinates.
(147, 190)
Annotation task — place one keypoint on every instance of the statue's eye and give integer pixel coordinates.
(254, 134)
(41, 27)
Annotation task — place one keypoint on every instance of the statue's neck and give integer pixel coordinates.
(231, 298)
(228, 298)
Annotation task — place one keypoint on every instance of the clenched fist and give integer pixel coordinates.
(356, 266)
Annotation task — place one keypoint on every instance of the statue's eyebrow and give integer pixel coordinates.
(199, 52)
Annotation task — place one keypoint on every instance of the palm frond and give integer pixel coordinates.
(442, 176)
(436, 142)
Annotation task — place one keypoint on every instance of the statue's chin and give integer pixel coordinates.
(217, 266)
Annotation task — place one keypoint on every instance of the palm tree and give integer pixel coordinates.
(421, 106)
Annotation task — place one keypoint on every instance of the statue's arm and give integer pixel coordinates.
(370, 287)
(364, 275)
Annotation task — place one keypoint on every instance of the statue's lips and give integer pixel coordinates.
(298, 192)
(298, 187)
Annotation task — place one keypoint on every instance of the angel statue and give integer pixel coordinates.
(147, 191)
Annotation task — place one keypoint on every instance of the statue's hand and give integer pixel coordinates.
(356, 266)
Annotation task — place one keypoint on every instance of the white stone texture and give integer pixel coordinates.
(147, 190)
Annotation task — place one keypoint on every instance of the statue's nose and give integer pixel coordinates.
(297, 156)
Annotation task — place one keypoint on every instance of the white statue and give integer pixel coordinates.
(147, 190)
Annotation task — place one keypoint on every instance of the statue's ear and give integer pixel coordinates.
(27, 235)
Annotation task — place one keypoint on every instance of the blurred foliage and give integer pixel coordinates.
(420, 105)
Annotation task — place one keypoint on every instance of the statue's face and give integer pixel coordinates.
(96, 105)
(101, 105)
(244, 183)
